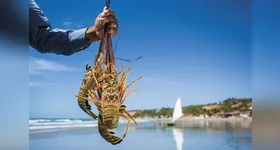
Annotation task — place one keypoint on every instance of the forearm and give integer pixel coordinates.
(46, 39)
(91, 34)
(60, 41)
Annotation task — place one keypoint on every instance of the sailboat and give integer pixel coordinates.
(177, 113)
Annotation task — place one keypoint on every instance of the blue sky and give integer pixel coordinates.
(198, 50)
(266, 54)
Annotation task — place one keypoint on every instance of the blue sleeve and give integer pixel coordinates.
(46, 39)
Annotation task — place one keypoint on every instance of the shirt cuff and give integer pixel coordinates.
(78, 38)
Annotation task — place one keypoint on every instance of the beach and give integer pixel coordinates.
(82, 134)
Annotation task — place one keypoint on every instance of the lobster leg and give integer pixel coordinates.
(123, 78)
(87, 99)
(128, 124)
(129, 93)
(132, 83)
(93, 95)
(123, 110)
(105, 76)
(131, 118)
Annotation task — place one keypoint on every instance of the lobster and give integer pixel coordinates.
(106, 88)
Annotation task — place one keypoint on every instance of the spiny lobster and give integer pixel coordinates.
(106, 87)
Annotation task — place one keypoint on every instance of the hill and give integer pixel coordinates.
(230, 105)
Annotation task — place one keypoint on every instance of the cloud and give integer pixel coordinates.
(39, 68)
(35, 84)
(38, 65)
(67, 23)
(70, 24)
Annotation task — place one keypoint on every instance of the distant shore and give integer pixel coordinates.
(230, 107)
(199, 118)
(212, 123)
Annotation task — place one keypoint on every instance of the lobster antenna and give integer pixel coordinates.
(116, 43)
(129, 60)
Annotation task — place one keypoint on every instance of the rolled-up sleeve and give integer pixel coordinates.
(46, 39)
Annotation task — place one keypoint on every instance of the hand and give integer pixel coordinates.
(107, 16)
(97, 31)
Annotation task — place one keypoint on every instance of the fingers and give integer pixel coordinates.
(107, 12)
(107, 16)
(113, 25)
(107, 19)
(113, 28)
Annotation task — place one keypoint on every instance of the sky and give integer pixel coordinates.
(266, 53)
(198, 50)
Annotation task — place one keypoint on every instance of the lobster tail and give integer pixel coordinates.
(107, 134)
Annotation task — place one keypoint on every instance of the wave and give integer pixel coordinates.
(62, 126)
(41, 122)
(51, 125)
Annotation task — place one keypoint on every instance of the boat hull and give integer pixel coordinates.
(169, 124)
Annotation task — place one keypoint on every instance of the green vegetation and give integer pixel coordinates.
(228, 105)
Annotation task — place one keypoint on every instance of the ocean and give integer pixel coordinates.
(82, 134)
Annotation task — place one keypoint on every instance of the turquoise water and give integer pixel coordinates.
(148, 137)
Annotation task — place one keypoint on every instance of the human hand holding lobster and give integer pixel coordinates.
(96, 32)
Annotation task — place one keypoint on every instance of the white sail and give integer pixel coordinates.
(179, 138)
(177, 113)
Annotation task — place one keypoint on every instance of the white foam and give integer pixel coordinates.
(61, 126)
(58, 124)
(61, 123)
(47, 125)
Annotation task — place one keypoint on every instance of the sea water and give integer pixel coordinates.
(82, 134)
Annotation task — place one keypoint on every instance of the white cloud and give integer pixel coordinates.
(38, 66)
(70, 24)
(67, 23)
(34, 84)
(78, 25)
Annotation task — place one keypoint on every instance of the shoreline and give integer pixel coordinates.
(200, 118)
